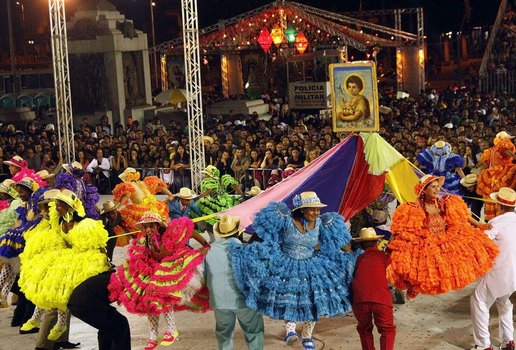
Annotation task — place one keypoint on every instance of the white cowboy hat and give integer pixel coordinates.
(307, 200)
(469, 180)
(108, 206)
(503, 135)
(150, 217)
(186, 193)
(126, 172)
(254, 191)
(367, 234)
(74, 165)
(505, 196)
(228, 226)
(44, 174)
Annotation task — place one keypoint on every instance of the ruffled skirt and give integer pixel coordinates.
(491, 180)
(210, 205)
(12, 241)
(284, 288)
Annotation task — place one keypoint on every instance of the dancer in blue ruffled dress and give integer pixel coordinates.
(299, 272)
(439, 160)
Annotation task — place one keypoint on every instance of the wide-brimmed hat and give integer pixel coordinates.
(68, 197)
(440, 144)
(254, 191)
(208, 139)
(503, 135)
(379, 216)
(505, 196)
(425, 181)
(108, 206)
(469, 180)
(307, 199)
(29, 183)
(367, 234)
(7, 186)
(44, 174)
(49, 196)
(131, 172)
(211, 171)
(186, 193)
(69, 167)
(227, 226)
(150, 217)
(16, 161)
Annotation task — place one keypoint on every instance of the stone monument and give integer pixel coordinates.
(109, 63)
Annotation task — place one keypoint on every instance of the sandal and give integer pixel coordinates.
(291, 338)
(308, 344)
(151, 345)
(169, 338)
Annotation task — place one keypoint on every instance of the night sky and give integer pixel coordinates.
(440, 15)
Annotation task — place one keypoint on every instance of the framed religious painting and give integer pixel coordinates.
(354, 97)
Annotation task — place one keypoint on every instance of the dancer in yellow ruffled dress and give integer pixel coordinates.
(76, 254)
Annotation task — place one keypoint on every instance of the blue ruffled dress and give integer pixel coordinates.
(443, 163)
(285, 277)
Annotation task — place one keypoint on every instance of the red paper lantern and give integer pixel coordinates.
(265, 40)
(301, 43)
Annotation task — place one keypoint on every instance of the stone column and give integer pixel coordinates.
(116, 87)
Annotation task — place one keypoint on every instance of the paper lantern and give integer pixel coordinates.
(264, 39)
(301, 43)
(277, 35)
(291, 33)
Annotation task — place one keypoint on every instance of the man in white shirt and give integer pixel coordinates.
(500, 282)
(100, 167)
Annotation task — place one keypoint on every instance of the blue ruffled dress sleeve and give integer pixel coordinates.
(454, 161)
(270, 221)
(425, 159)
(333, 233)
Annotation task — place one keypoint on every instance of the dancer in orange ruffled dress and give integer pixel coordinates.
(437, 245)
(499, 171)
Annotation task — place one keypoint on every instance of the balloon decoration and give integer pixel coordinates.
(265, 40)
(277, 35)
(301, 43)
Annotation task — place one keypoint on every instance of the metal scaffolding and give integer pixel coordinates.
(62, 80)
(193, 88)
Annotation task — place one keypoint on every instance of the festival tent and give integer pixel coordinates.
(347, 178)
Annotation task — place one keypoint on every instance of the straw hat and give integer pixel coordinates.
(228, 226)
(426, 180)
(505, 196)
(129, 172)
(367, 234)
(150, 217)
(254, 191)
(68, 197)
(211, 171)
(108, 206)
(29, 183)
(380, 216)
(208, 139)
(16, 161)
(69, 167)
(469, 180)
(49, 195)
(502, 135)
(7, 186)
(44, 174)
(307, 200)
(186, 193)
(440, 144)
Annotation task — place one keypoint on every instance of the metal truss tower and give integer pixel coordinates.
(193, 88)
(62, 80)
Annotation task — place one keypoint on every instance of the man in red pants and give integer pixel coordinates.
(371, 298)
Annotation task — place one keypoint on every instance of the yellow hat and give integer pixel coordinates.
(74, 202)
(228, 226)
(7, 187)
(29, 183)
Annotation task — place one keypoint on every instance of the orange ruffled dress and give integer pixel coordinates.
(143, 199)
(500, 173)
(438, 253)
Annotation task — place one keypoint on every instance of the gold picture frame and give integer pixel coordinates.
(354, 97)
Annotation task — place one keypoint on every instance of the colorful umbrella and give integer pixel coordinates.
(172, 96)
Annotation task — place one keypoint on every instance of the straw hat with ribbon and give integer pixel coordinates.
(425, 181)
(71, 199)
(70, 167)
(367, 234)
(16, 161)
(108, 206)
(469, 180)
(227, 226)
(7, 187)
(307, 200)
(150, 217)
(211, 171)
(49, 196)
(129, 174)
(254, 191)
(186, 193)
(29, 183)
(505, 196)
(44, 174)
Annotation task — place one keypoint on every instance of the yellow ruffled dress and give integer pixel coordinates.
(56, 263)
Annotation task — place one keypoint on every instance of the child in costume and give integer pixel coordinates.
(298, 273)
(226, 300)
(370, 293)
(439, 160)
(162, 274)
(19, 170)
(437, 245)
(73, 180)
(51, 276)
(138, 197)
(499, 170)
